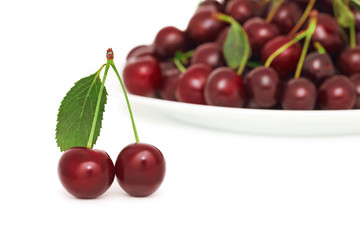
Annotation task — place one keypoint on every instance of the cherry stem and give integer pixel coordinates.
(297, 38)
(179, 65)
(352, 33)
(96, 114)
(182, 58)
(303, 18)
(274, 9)
(309, 33)
(320, 48)
(127, 102)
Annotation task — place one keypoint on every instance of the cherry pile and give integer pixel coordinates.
(189, 66)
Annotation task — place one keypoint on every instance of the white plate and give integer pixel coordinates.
(273, 122)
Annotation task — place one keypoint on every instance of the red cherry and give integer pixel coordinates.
(168, 41)
(209, 54)
(204, 27)
(222, 36)
(328, 33)
(191, 85)
(337, 93)
(225, 88)
(259, 33)
(86, 173)
(140, 169)
(356, 81)
(169, 83)
(140, 51)
(212, 4)
(263, 85)
(242, 10)
(318, 67)
(349, 61)
(299, 94)
(287, 16)
(142, 76)
(286, 62)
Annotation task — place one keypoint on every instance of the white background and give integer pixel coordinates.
(218, 185)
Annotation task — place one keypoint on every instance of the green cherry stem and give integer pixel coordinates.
(127, 101)
(274, 9)
(303, 18)
(309, 33)
(297, 38)
(352, 32)
(320, 48)
(96, 114)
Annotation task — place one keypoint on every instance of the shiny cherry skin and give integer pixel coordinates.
(168, 41)
(211, 3)
(225, 88)
(222, 36)
(286, 62)
(140, 169)
(356, 81)
(349, 61)
(328, 33)
(242, 10)
(209, 54)
(141, 51)
(299, 94)
(86, 173)
(204, 27)
(168, 84)
(287, 16)
(337, 93)
(191, 85)
(259, 33)
(263, 87)
(142, 76)
(318, 67)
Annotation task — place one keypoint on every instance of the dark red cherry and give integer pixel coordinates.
(299, 94)
(349, 61)
(287, 16)
(328, 33)
(209, 54)
(141, 51)
(168, 41)
(263, 87)
(318, 67)
(86, 173)
(140, 169)
(204, 27)
(168, 84)
(337, 93)
(167, 66)
(211, 3)
(142, 76)
(191, 85)
(242, 10)
(259, 33)
(225, 88)
(286, 62)
(222, 36)
(356, 81)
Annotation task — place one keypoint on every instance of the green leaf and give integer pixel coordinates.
(76, 113)
(343, 14)
(236, 47)
(356, 3)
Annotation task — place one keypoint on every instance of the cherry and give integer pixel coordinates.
(191, 85)
(299, 94)
(356, 81)
(142, 76)
(209, 54)
(337, 93)
(223, 35)
(86, 173)
(204, 27)
(242, 10)
(263, 85)
(318, 67)
(328, 33)
(287, 16)
(225, 88)
(349, 61)
(167, 66)
(168, 41)
(141, 51)
(259, 33)
(168, 84)
(287, 61)
(211, 3)
(140, 169)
